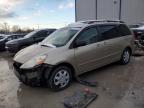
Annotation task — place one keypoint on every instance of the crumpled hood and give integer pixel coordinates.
(30, 52)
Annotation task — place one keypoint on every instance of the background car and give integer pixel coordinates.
(138, 32)
(136, 25)
(6, 38)
(31, 38)
(1, 37)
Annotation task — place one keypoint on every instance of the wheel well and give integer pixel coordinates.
(129, 48)
(68, 65)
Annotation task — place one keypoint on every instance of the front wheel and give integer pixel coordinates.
(60, 78)
(125, 58)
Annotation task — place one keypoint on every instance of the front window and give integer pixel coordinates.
(31, 34)
(88, 36)
(61, 37)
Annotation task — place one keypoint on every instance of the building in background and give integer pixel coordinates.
(130, 11)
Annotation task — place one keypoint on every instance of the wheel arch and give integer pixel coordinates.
(130, 49)
(65, 64)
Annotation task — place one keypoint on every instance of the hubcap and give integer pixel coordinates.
(126, 56)
(61, 78)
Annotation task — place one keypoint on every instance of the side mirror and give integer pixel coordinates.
(79, 44)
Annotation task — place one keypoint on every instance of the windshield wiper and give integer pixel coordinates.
(44, 45)
(48, 45)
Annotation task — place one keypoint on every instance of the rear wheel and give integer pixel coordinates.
(125, 58)
(60, 78)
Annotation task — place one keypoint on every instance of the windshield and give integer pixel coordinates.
(31, 34)
(61, 37)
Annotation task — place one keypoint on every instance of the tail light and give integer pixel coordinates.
(137, 35)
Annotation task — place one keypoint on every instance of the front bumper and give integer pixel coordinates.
(2, 46)
(33, 76)
(11, 48)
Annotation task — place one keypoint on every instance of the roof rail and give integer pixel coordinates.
(94, 21)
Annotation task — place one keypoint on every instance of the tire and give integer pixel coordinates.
(125, 58)
(60, 78)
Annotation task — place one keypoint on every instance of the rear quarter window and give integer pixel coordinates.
(108, 32)
(124, 30)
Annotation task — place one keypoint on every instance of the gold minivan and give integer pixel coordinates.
(73, 50)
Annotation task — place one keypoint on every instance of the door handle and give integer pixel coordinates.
(105, 43)
(101, 44)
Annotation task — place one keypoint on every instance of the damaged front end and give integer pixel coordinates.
(31, 76)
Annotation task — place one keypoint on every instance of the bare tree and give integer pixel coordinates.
(27, 29)
(5, 27)
(16, 29)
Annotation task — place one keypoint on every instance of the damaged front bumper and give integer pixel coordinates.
(32, 76)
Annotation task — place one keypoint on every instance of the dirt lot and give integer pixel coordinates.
(118, 87)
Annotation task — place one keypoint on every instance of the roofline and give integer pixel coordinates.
(87, 23)
(46, 29)
(102, 20)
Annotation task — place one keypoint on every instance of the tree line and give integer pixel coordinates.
(5, 28)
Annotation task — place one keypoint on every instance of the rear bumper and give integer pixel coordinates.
(33, 76)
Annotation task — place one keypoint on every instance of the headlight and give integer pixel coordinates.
(11, 43)
(34, 62)
(40, 60)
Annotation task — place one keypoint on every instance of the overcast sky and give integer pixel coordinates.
(45, 13)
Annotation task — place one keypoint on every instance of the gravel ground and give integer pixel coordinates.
(118, 87)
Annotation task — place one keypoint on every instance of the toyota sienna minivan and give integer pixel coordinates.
(73, 50)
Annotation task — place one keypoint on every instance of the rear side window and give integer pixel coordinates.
(15, 37)
(18, 36)
(88, 36)
(124, 30)
(108, 32)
